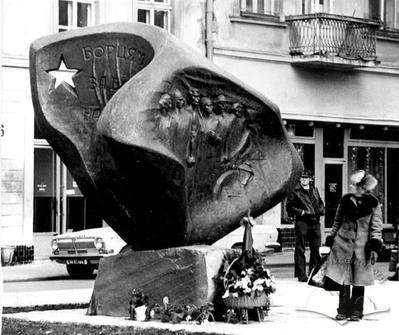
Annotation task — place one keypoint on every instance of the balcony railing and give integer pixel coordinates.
(333, 35)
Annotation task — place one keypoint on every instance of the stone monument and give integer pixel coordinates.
(173, 149)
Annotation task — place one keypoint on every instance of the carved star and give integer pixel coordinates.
(63, 74)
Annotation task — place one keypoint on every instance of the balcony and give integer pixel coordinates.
(329, 40)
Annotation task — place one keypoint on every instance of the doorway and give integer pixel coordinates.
(59, 205)
(333, 188)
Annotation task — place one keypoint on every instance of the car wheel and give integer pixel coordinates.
(80, 271)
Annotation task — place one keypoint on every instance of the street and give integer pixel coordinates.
(58, 279)
(53, 284)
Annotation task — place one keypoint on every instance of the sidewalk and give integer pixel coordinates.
(296, 307)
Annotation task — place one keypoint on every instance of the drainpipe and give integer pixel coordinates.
(208, 29)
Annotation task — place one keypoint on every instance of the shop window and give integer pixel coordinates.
(306, 153)
(373, 133)
(81, 213)
(74, 14)
(333, 142)
(155, 12)
(262, 7)
(393, 189)
(371, 160)
(299, 128)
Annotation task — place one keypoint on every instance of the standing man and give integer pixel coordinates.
(305, 204)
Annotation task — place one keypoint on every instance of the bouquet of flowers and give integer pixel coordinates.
(247, 282)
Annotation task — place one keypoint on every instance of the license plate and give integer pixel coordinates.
(77, 261)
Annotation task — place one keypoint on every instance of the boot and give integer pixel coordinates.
(395, 276)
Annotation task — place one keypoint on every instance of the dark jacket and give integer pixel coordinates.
(304, 204)
(356, 223)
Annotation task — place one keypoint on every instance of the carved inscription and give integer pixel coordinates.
(113, 82)
(110, 66)
(111, 51)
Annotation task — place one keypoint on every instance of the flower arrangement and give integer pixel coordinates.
(247, 277)
(251, 282)
(189, 313)
(141, 310)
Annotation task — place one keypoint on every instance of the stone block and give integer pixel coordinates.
(185, 275)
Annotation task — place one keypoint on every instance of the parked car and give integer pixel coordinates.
(264, 238)
(82, 250)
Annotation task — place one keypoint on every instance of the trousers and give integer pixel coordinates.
(351, 304)
(306, 231)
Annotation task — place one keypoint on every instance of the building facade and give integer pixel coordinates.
(332, 66)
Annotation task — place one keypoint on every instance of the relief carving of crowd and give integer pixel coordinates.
(211, 134)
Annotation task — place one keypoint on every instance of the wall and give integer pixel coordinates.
(17, 115)
(355, 8)
(190, 23)
(17, 158)
(114, 11)
(24, 21)
(320, 94)
(387, 52)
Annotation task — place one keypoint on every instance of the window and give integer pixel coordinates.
(74, 14)
(387, 11)
(333, 143)
(299, 128)
(391, 14)
(44, 190)
(374, 133)
(316, 6)
(372, 160)
(155, 12)
(262, 7)
(307, 155)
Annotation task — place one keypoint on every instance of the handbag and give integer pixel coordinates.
(319, 279)
(317, 276)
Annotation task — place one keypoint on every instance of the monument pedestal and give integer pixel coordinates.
(186, 275)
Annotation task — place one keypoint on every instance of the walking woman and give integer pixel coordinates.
(355, 241)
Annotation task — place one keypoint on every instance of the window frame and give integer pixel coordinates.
(273, 14)
(384, 15)
(309, 7)
(73, 20)
(152, 6)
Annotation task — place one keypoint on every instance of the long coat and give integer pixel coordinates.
(357, 220)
